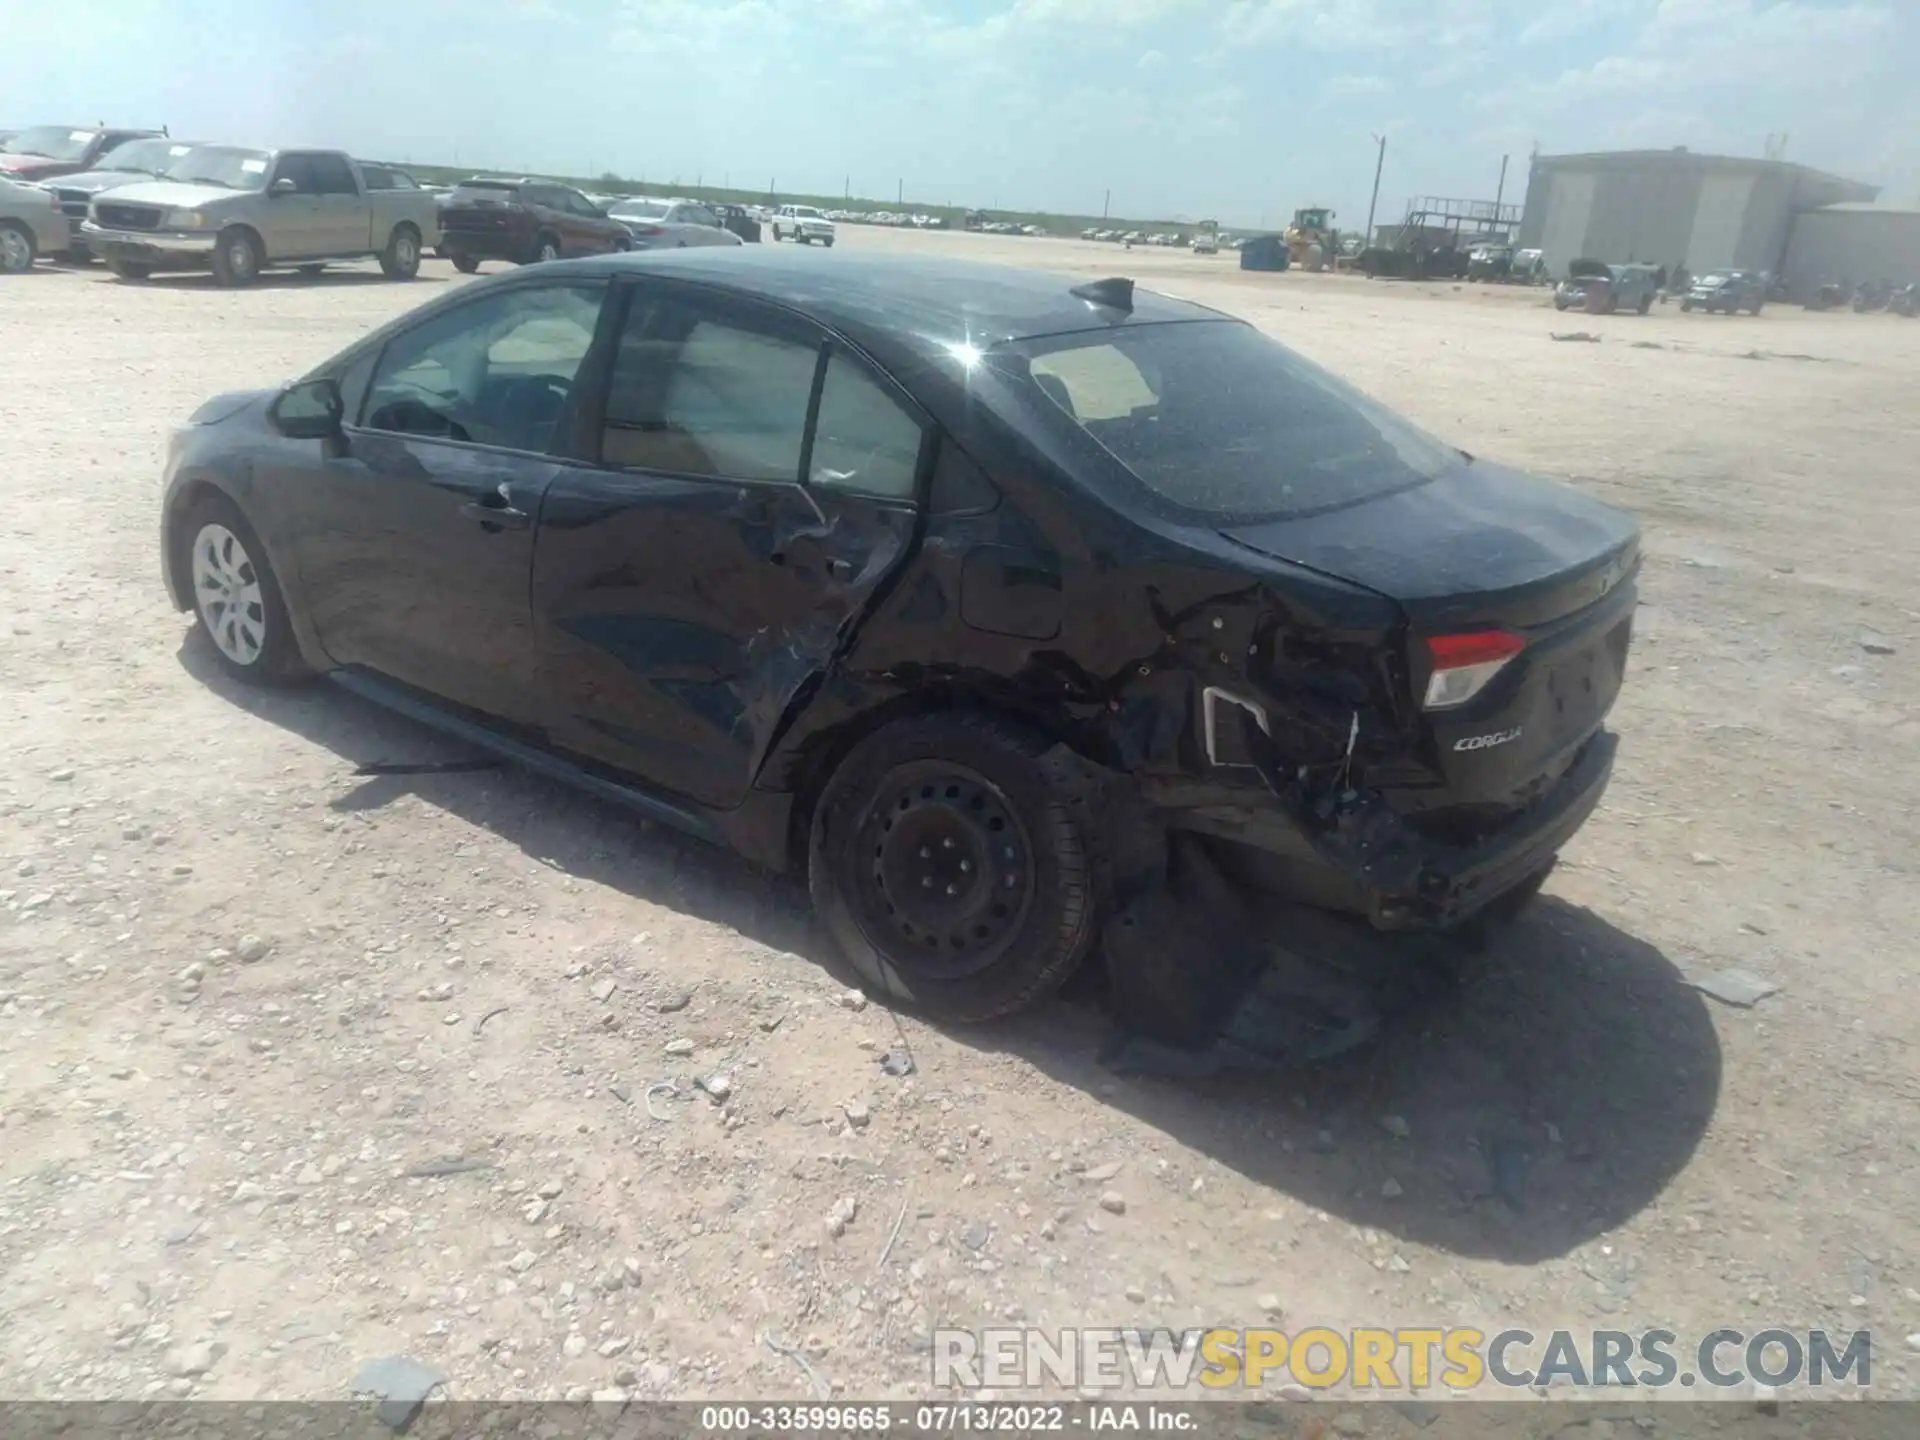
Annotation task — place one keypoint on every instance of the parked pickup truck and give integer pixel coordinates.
(238, 212)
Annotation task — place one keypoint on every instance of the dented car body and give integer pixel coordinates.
(959, 587)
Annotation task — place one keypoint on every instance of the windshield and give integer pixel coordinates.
(639, 210)
(1217, 419)
(56, 142)
(223, 165)
(806, 212)
(146, 157)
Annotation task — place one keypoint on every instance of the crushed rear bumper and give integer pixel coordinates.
(1370, 860)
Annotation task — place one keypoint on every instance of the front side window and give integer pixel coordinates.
(496, 372)
(1213, 418)
(705, 388)
(864, 441)
(332, 175)
(298, 170)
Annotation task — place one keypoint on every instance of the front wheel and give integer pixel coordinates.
(401, 259)
(236, 595)
(951, 862)
(1686, 307)
(828, 242)
(1646, 304)
(465, 264)
(236, 257)
(17, 248)
(546, 250)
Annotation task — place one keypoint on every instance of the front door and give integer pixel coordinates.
(415, 541)
(691, 584)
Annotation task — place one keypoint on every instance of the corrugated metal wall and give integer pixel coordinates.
(1664, 209)
(1852, 246)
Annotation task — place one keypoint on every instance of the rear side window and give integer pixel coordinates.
(1214, 418)
(710, 390)
(865, 441)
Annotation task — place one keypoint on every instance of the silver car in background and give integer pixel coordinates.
(127, 164)
(670, 224)
(31, 225)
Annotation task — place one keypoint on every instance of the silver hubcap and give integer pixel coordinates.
(240, 257)
(227, 590)
(403, 251)
(547, 252)
(14, 253)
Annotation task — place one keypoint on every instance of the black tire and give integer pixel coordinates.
(546, 248)
(401, 259)
(802, 237)
(18, 250)
(979, 792)
(237, 257)
(1646, 304)
(828, 242)
(1686, 307)
(465, 264)
(278, 658)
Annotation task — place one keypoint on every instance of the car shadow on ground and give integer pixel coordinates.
(1514, 1110)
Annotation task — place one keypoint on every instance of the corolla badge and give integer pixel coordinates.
(1487, 742)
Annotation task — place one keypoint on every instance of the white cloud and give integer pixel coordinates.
(1567, 18)
(1152, 60)
(1342, 86)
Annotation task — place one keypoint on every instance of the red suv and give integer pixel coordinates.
(524, 221)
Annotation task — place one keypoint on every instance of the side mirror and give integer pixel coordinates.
(309, 410)
(283, 186)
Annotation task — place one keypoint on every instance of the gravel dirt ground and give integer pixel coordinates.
(247, 996)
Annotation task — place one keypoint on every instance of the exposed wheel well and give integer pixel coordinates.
(183, 504)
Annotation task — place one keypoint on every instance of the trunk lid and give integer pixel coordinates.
(1487, 548)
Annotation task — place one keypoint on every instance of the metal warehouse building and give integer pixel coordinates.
(1673, 207)
(1852, 243)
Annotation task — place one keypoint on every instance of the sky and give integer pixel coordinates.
(1237, 110)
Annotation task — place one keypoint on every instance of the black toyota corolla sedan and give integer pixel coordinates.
(956, 587)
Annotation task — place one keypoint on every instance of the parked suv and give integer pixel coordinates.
(525, 221)
(802, 223)
(47, 151)
(128, 164)
(238, 212)
(1728, 290)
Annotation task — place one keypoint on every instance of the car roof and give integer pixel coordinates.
(920, 301)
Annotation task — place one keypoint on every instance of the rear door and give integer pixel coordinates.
(752, 483)
(414, 537)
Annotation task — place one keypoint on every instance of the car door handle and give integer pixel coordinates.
(500, 516)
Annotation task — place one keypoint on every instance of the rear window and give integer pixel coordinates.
(639, 210)
(1214, 418)
(480, 193)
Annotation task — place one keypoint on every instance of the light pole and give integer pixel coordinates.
(1378, 165)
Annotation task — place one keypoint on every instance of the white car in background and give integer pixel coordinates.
(802, 223)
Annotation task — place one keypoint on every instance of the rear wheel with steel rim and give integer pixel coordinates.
(235, 592)
(546, 250)
(951, 861)
(17, 249)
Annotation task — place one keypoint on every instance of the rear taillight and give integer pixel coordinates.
(1464, 664)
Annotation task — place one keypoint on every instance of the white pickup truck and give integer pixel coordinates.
(238, 212)
(802, 223)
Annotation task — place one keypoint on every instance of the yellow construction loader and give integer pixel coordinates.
(1312, 242)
